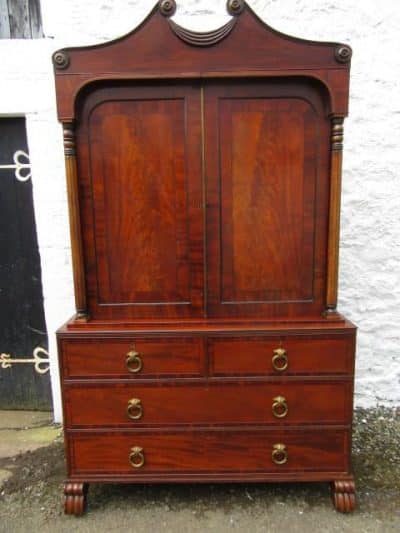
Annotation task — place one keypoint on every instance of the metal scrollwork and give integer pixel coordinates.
(20, 166)
(41, 364)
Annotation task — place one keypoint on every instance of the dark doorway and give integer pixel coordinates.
(24, 364)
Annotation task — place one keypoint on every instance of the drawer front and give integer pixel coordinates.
(279, 356)
(213, 403)
(213, 451)
(135, 358)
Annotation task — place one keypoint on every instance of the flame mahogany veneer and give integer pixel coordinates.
(203, 174)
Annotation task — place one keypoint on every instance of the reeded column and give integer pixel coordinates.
(334, 215)
(74, 221)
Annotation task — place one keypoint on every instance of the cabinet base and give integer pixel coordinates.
(343, 496)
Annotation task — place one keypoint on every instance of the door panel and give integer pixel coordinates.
(141, 201)
(263, 194)
(266, 173)
(143, 159)
(266, 169)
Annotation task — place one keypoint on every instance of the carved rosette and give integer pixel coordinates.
(69, 139)
(337, 134)
(235, 7)
(61, 60)
(343, 53)
(167, 7)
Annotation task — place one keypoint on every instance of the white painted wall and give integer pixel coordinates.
(370, 248)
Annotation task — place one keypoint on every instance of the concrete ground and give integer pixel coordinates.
(32, 471)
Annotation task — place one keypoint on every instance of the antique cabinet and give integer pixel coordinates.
(203, 178)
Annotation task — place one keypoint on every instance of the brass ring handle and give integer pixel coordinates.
(279, 454)
(136, 457)
(134, 409)
(280, 360)
(279, 407)
(134, 362)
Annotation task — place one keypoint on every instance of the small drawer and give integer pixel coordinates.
(206, 404)
(214, 451)
(131, 358)
(281, 356)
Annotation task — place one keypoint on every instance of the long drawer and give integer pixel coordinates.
(140, 453)
(141, 357)
(202, 403)
(281, 355)
(131, 358)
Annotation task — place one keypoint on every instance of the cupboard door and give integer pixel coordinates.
(267, 180)
(139, 154)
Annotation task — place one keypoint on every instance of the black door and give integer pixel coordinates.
(24, 364)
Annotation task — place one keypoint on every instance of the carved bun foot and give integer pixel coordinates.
(343, 495)
(75, 498)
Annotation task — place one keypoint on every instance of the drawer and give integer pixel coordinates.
(217, 451)
(213, 403)
(277, 356)
(131, 358)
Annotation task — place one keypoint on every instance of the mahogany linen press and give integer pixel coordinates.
(204, 176)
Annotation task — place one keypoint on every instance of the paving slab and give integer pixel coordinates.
(24, 419)
(22, 432)
(16, 441)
